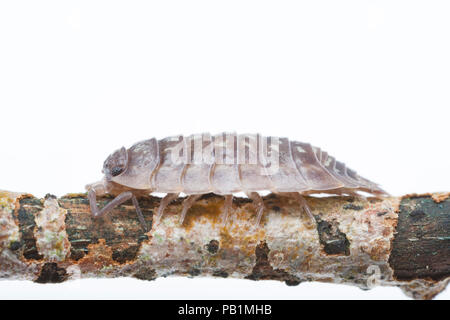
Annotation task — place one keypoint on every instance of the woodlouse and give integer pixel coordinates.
(224, 164)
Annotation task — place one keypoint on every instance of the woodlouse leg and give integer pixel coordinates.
(258, 201)
(164, 203)
(139, 213)
(117, 201)
(187, 204)
(227, 208)
(311, 221)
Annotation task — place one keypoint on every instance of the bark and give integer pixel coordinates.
(401, 242)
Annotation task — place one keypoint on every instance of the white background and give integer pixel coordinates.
(368, 81)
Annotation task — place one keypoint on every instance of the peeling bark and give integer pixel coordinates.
(401, 242)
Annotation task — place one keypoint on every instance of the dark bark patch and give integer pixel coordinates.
(241, 201)
(145, 273)
(333, 240)
(193, 272)
(416, 215)
(28, 208)
(276, 208)
(50, 196)
(128, 254)
(76, 254)
(421, 246)
(292, 283)
(213, 246)
(207, 196)
(51, 273)
(264, 271)
(220, 274)
(351, 206)
(15, 245)
(119, 228)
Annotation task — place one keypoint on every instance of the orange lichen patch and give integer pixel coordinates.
(75, 195)
(240, 234)
(436, 196)
(204, 242)
(21, 196)
(416, 195)
(9, 229)
(440, 197)
(377, 250)
(98, 259)
(239, 229)
(203, 211)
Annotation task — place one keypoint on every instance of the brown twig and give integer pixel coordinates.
(401, 242)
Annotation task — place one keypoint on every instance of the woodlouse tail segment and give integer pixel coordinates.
(258, 201)
(310, 220)
(381, 193)
(164, 203)
(187, 204)
(227, 206)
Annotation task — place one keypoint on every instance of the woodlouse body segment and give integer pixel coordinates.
(224, 164)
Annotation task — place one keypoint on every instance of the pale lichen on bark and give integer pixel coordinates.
(51, 236)
(9, 231)
(356, 241)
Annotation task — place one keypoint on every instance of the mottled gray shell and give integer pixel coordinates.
(220, 164)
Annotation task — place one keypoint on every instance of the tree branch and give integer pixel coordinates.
(401, 242)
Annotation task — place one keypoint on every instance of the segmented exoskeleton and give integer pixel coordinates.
(223, 164)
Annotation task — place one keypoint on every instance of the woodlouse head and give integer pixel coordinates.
(116, 163)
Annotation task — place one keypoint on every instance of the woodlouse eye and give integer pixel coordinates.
(116, 171)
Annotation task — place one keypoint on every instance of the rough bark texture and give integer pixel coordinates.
(401, 242)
